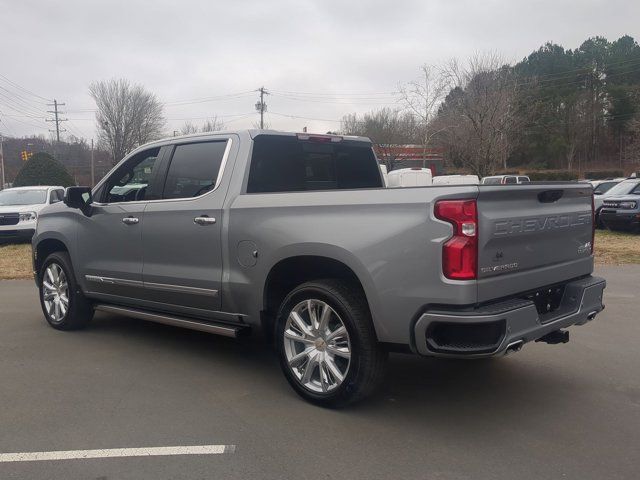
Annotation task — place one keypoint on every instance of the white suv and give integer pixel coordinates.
(19, 208)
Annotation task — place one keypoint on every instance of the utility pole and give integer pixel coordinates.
(261, 106)
(56, 118)
(93, 170)
(2, 161)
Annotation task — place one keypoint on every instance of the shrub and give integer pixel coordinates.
(42, 169)
(602, 174)
(556, 176)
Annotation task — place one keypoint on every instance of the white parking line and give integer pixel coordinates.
(117, 452)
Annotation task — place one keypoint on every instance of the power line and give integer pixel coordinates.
(305, 118)
(15, 85)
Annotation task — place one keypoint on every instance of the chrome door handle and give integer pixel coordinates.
(204, 220)
(130, 220)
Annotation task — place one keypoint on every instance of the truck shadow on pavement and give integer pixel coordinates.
(476, 391)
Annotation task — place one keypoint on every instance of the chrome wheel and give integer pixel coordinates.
(317, 346)
(55, 292)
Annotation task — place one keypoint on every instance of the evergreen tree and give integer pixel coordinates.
(43, 169)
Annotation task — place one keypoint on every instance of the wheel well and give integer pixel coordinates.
(46, 248)
(291, 272)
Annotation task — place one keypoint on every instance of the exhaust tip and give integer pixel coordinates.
(514, 347)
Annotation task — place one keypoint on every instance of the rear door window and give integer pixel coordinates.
(194, 169)
(288, 164)
(509, 180)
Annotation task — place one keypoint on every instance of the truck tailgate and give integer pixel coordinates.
(532, 235)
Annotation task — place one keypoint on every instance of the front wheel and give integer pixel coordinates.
(326, 343)
(63, 304)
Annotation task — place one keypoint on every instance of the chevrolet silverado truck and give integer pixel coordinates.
(294, 235)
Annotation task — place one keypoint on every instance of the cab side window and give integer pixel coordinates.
(131, 182)
(194, 169)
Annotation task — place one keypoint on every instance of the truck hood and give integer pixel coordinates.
(623, 198)
(21, 208)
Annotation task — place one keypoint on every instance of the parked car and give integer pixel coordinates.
(456, 180)
(622, 212)
(624, 187)
(383, 169)
(601, 187)
(295, 235)
(409, 177)
(505, 179)
(19, 208)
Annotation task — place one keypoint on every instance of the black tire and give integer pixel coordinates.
(599, 223)
(79, 311)
(367, 362)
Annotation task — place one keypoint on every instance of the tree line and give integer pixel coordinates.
(555, 109)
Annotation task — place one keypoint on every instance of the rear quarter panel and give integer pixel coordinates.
(387, 237)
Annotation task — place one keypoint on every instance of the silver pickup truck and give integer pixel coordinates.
(295, 235)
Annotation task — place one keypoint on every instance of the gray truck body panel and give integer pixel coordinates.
(389, 238)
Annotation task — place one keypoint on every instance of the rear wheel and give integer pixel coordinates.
(327, 346)
(63, 304)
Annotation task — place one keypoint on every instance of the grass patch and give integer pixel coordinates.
(612, 248)
(617, 248)
(15, 261)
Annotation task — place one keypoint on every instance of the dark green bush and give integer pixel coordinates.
(42, 169)
(602, 174)
(555, 176)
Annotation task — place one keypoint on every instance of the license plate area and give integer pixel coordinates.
(547, 300)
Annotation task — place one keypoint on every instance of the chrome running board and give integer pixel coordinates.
(176, 321)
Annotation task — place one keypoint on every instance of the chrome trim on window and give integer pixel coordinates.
(223, 164)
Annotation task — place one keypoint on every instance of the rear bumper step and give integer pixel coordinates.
(498, 328)
(166, 319)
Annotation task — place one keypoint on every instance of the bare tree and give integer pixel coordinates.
(386, 128)
(632, 150)
(127, 116)
(188, 128)
(479, 119)
(213, 124)
(423, 97)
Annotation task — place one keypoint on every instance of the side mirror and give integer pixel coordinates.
(78, 197)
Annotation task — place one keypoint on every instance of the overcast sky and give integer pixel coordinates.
(205, 58)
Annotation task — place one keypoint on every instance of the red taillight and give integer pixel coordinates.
(593, 222)
(460, 252)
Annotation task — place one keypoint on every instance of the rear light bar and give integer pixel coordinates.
(319, 138)
(460, 252)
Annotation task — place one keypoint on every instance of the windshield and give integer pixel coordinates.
(23, 197)
(623, 188)
(492, 180)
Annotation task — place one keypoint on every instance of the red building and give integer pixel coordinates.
(408, 156)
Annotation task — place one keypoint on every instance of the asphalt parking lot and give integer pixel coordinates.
(567, 411)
